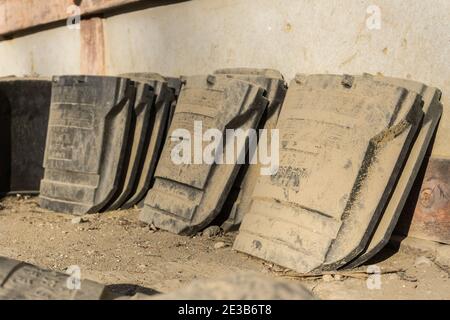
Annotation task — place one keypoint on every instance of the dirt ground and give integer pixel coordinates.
(116, 249)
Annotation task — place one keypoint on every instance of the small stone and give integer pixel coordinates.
(124, 222)
(219, 245)
(443, 256)
(393, 277)
(212, 231)
(338, 277)
(422, 261)
(142, 224)
(327, 278)
(78, 220)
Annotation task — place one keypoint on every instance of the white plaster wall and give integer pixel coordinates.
(308, 36)
(54, 51)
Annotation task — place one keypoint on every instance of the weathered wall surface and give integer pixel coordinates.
(55, 51)
(291, 35)
(309, 36)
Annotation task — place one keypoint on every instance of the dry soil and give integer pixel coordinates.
(117, 250)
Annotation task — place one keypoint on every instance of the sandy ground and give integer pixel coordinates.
(116, 249)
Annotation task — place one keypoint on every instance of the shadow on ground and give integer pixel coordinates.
(128, 290)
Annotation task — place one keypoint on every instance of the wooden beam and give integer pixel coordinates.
(19, 15)
(92, 46)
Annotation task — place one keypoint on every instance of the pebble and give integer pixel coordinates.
(78, 220)
(393, 277)
(220, 245)
(338, 277)
(124, 222)
(212, 231)
(327, 278)
(422, 261)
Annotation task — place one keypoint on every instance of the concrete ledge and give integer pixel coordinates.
(437, 252)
